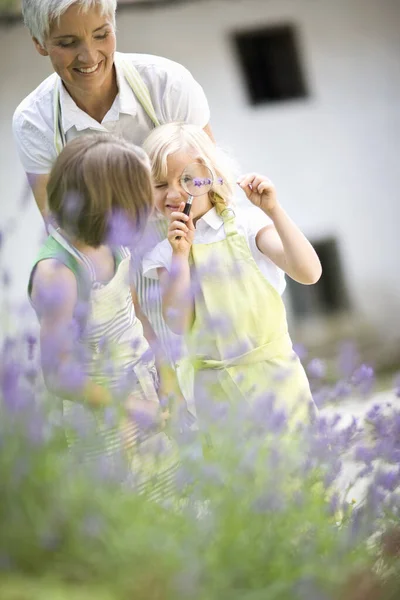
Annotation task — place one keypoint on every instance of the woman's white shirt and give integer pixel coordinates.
(210, 228)
(175, 94)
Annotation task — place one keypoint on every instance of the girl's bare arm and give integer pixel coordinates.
(54, 296)
(282, 242)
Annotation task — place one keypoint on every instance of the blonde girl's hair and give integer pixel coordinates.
(171, 138)
(98, 178)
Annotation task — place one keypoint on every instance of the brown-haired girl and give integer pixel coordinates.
(95, 354)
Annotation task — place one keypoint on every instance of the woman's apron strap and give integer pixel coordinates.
(140, 90)
(59, 135)
(137, 85)
(229, 218)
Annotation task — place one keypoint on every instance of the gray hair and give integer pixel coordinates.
(39, 14)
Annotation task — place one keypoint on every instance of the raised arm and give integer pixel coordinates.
(54, 295)
(282, 242)
(177, 300)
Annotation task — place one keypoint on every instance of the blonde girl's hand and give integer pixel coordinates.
(181, 226)
(260, 191)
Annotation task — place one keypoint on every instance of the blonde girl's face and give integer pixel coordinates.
(169, 193)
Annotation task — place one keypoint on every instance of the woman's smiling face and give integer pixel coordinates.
(81, 46)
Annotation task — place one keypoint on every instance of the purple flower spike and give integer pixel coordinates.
(342, 389)
(334, 504)
(348, 359)
(121, 231)
(364, 378)
(316, 368)
(31, 341)
(300, 350)
(197, 182)
(364, 454)
(388, 480)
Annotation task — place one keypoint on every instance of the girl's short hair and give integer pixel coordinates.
(99, 183)
(182, 137)
(40, 14)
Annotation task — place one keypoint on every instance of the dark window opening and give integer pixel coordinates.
(270, 60)
(329, 294)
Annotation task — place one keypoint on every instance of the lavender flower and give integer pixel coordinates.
(388, 479)
(348, 359)
(32, 343)
(301, 351)
(16, 397)
(71, 376)
(121, 232)
(364, 378)
(316, 368)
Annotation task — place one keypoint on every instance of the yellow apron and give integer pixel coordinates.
(239, 342)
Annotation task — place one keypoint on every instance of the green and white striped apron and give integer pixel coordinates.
(114, 354)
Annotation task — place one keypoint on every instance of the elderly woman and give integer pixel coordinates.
(94, 88)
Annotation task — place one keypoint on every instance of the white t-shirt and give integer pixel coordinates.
(175, 95)
(210, 228)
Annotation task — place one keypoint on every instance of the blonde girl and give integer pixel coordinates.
(222, 275)
(95, 339)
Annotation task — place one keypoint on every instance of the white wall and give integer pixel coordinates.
(333, 157)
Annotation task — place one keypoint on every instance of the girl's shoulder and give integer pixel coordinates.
(53, 290)
(55, 266)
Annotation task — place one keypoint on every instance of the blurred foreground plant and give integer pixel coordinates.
(259, 514)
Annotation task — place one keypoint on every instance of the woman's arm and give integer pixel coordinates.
(282, 242)
(177, 303)
(38, 184)
(54, 295)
